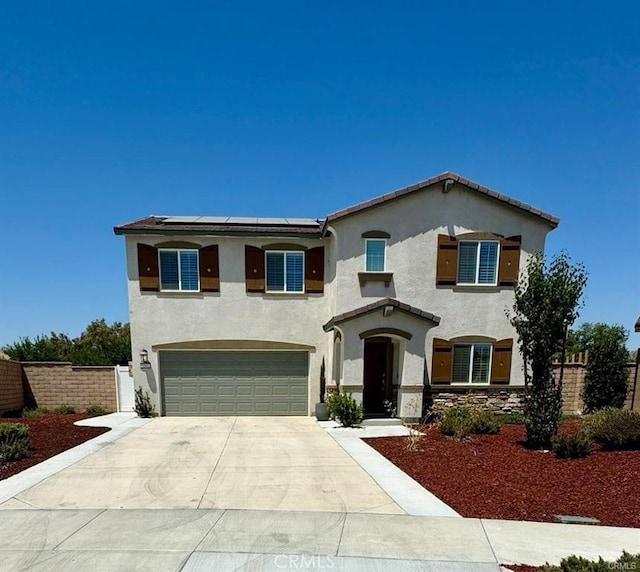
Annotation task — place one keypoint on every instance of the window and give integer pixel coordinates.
(471, 363)
(285, 271)
(179, 270)
(478, 262)
(375, 254)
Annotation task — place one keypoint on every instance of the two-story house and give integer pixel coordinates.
(400, 296)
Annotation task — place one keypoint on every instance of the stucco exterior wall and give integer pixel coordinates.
(414, 223)
(232, 314)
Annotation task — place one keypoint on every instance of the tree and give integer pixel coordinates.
(547, 300)
(98, 344)
(606, 379)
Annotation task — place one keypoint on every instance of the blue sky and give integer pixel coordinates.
(111, 111)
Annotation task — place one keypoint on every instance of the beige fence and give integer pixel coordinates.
(59, 383)
(11, 391)
(573, 374)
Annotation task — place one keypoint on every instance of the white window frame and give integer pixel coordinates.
(178, 250)
(366, 241)
(473, 349)
(476, 283)
(266, 272)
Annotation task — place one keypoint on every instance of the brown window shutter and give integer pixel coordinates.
(148, 272)
(209, 269)
(441, 361)
(447, 265)
(254, 268)
(314, 270)
(509, 261)
(501, 361)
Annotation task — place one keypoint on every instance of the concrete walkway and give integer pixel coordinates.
(274, 468)
(204, 540)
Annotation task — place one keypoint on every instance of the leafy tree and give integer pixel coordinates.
(52, 347)
(547, 300)
(98, 344)
(606, 379)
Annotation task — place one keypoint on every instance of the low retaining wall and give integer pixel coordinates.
(57, 383)
(11, 392)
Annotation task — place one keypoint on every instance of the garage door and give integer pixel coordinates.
(235, 382)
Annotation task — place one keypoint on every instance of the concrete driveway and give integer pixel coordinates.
(259, 463)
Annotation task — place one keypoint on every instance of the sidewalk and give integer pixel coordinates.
(196, 540)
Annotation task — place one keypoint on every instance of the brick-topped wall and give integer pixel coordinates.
(55, 383)
(11, 393)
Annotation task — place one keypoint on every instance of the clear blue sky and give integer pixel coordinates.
(110, 111)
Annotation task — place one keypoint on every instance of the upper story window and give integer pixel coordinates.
(375, 254)
(179, 270)
(285, 271)
(471, 363)
(478, 262)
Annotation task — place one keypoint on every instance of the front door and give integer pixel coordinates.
(378, 388)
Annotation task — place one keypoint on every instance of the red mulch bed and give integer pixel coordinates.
(496, 476)
(51, 434)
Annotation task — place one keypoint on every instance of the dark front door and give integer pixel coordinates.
(378, 357)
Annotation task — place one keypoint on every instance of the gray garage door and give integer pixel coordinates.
(235, 382)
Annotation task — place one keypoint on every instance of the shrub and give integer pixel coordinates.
(95, 410)
(65, 409)
(572, 446)
(36, 412)
(513, 418)
(14, 441)
(143, 406)
(458, 422)
(578, 564)
(606, 378)
(484, 422)
(614, 428)
(343, 406)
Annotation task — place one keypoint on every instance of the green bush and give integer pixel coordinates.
(95, 410)
(14, 441)
(572, 446)
(143, 406)
(458, 422)
(514, 418)
(343, 406)
(65, 409)
(578, 564)
(36, 412)
(614, 428)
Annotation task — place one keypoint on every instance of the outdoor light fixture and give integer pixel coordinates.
(144, 356)
(387, 311)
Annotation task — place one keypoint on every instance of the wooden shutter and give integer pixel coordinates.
(441, 361)
(254, 268)
(209, 269)
(314, 270)
(148, 271)
(501, 361)
(447, 264)
(509, 261)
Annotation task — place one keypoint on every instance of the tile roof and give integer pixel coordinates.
(442, 178)
(377, 305)
(301, 227)
(637, 328)
(245, 226)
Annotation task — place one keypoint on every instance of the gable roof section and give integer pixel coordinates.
(421, 314)
(444, 178)
(235, 226)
